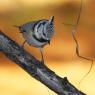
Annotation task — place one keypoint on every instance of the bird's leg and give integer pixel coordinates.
(22, 46)
(0, 49)
(41, 51)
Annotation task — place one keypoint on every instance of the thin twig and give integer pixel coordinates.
(78, 54)
(74, 30)
(35, 68)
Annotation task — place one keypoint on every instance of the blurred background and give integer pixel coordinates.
(60, 56)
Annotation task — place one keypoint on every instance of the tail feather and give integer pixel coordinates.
(17, 26)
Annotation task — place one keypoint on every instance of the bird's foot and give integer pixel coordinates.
(21, 46)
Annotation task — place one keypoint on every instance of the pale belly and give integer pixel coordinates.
(33, 42)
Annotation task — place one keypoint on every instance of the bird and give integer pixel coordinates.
(38, 33)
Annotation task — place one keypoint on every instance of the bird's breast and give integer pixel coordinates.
(32, 41)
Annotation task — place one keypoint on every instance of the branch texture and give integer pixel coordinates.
(35, 68)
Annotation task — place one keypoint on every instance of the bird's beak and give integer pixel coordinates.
(51, 19)
(19, 27)
(49, 42)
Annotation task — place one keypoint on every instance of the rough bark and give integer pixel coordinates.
(35, 68)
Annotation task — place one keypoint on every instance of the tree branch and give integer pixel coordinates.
(35, 68)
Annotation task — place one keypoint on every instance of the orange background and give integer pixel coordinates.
(60, 56)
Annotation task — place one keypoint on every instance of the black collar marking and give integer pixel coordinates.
(41, 39)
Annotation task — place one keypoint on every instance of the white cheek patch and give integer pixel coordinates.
(38, 31)
(41, 29)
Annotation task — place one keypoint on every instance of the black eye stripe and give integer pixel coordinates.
(40, 40)
(41, 24)
(38, 22)
(44, 34)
